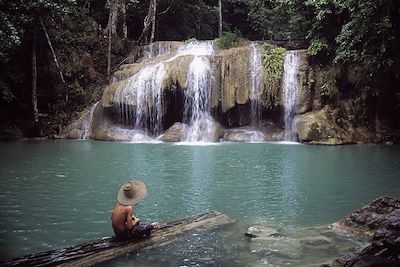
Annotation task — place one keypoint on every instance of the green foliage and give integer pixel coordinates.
(227, 40)
(329, 88)
(317, 46)
(17, 17)
(76, 93)
(273, 58)
(280, 19)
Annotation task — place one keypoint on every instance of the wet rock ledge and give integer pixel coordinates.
(379, 223)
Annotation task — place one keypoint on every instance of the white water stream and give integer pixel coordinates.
(88, 123)
(198, 93)
(142, 98)
(256, 78)
(290, 91)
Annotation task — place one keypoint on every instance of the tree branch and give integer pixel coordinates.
(166, 10)
(52, 51)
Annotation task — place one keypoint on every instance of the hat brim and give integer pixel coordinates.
(141, 192)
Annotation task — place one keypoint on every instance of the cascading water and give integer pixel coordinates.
(144, 95)
(140, 100)
(149, 98)
(88, 123)
(256, 77)
(290, 91)
(197, 101)
(198, 93)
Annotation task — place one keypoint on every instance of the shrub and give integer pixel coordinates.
(227, 40)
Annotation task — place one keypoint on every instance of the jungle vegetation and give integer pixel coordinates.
(56, 54)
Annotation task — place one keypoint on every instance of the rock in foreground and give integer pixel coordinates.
(379, 222)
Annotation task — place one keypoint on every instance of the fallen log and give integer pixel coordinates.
(107, 248)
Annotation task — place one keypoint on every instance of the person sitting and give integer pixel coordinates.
(124, 222)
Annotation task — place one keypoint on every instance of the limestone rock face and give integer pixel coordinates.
(331, 126)
(231, 83)
(175, 133)
(305, 85)
(234, 69)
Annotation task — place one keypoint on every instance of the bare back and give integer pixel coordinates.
(122, 218)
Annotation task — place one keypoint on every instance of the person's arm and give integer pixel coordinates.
(131, 220)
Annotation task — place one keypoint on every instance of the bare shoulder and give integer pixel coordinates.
(123, 207)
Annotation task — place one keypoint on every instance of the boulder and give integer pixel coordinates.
(378, 220)
(205, 129)
(314, 127)
(175, 133)
(332, 126)
(217, 131)
(77, 129)
(378, 223)
(113, 133)
(243, 135)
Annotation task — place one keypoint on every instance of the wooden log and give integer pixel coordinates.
(107, 248)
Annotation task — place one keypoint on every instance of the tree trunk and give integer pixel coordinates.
(112, 16)
(110, 28)
(124, 26)
(108, 248)
(149, 20)
(34, 78)
(109, 33)
(153, 21)
(220, 18)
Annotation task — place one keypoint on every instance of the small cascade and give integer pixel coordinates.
(198, 93)
(256, 78)
(290, 90)
(156, 49)
(143, 92)
(195, 48)
(88, 123)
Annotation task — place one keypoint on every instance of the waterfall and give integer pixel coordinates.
(88, 123)
(143, 92)
(197, 101)
(198, 93)
(149, 98)
(290, 91)
(256, 78)
(195, 48)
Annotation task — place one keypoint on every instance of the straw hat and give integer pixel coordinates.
(131, 193)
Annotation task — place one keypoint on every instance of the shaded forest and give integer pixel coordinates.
(57, 55)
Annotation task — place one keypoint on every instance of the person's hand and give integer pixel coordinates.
(135, 220)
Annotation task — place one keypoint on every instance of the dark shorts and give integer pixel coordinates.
(139, 231)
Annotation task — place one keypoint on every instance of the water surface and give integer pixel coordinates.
(59, 193)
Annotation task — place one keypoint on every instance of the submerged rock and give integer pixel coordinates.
(259, 231)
